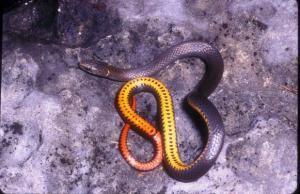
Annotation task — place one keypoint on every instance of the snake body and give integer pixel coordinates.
(208, 54)
(156, 140)
(197, 99)
(205, 109)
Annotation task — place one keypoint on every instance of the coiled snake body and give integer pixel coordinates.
(197, 99)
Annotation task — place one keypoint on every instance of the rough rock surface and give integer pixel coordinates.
(59, 127)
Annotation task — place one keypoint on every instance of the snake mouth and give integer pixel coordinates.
(93, 68)
(86, 66)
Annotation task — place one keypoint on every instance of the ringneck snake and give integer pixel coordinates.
(197, 100)
(156, 140)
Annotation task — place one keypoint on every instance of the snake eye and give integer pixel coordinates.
(98, 68)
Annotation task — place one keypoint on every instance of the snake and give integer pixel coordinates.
(156, 140)
(197, 99)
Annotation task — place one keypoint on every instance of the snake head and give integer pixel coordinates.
(98, 68)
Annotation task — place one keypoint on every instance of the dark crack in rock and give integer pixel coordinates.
(33, 19)
(71, 23)
(81, 23)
